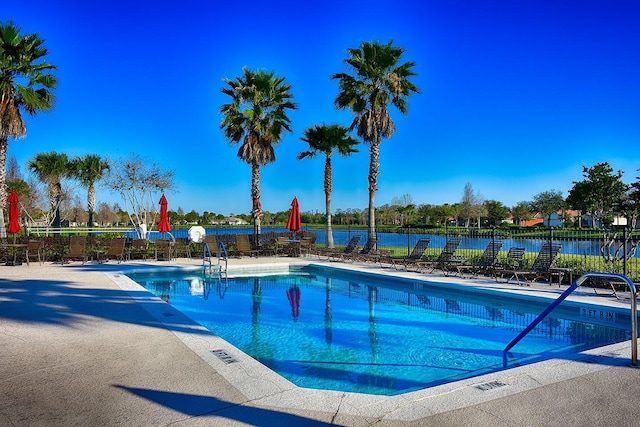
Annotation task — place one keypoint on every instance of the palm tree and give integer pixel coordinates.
(327, 139)
(256, 117)
(89, 170)
(25, 83)
(50, 168)
(377, 81)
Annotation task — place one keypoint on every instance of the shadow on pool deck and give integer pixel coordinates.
(65, 303)
(199, 406)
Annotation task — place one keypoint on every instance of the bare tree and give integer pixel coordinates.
(106, 215)
(140, 183)
(471, 205)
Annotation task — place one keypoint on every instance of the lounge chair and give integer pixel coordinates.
(287, 246)
(210, 241)
(542, 267)
(307, 244)
(114, 251)
(163, 249)
(243, 246)
(35, 247)
(513, 261)
(414, 257)
(182, 248)
(77, 249)
(139, 249)
(446, 259)
(362, 254)
(486, 262)
(334, 253)
(370, 252)
(619, 288)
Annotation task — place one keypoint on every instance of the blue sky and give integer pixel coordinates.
(516, 96)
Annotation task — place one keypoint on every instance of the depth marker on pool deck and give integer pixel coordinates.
(224, 356)
(491, 385)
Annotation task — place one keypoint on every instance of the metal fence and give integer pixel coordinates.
(581, 250)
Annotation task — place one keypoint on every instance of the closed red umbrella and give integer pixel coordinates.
(14, 214)
(163, 224)
(293, 224)
(293, 295)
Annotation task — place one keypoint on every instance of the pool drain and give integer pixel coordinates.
(224, 356)
(491, 385)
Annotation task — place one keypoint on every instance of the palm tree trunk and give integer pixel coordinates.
(327, 198)
(53, 206)
(255, 197)
(91, 204)
(374, 163)
(4, 143)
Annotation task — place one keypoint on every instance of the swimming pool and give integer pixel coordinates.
(327, 328)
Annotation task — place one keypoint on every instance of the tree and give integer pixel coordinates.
(600, 194)
(106, 215)
(471, 205)
(326, 139)
(140, 183)
(192, 217)
(378, 81)
(436, 215)
(521, 212)
(548, 202)
(26, 83)
(89, 170)
(632, 204)
(51, 168)
(13, 170)
(74, 212)
(256, 117)
(496, 211)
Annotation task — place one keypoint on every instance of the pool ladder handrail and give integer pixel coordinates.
(221, 255)
(565, 294)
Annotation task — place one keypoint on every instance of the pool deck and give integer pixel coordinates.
(83, 345)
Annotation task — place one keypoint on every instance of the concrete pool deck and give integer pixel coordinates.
(84, 345)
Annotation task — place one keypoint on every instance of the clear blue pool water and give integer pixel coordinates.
(331, 329)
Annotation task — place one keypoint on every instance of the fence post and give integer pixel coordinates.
(493, 242)
(408, 239)
(550, 243)
(624, 251)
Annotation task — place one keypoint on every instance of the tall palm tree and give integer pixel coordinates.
(378, 80)
(327, 139)
(26, 83)
(50, 168)
(88, 170)
(256, 118)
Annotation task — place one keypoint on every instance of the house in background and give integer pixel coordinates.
(537, 219)
(232, 220)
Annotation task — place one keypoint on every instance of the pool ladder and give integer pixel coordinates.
(221, 254)
(565, 294)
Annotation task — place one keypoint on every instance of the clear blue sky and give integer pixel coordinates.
(516, 96)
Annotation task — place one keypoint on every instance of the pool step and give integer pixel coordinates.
(214, 270)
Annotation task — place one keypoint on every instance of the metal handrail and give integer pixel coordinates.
(222, 249)
(221, 254)
(206, 251)
(565, 294)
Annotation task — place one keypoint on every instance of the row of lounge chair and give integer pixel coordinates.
(120, 248)
(510, 268)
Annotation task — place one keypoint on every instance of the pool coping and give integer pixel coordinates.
(264, 387)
